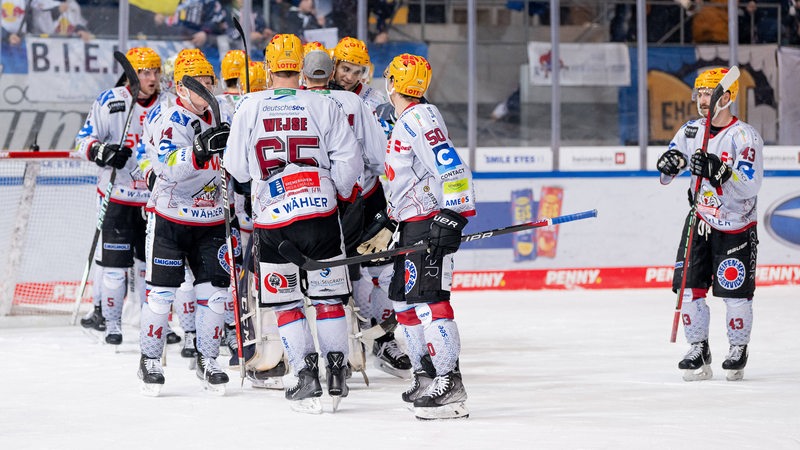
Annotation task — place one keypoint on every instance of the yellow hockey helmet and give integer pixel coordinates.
(710, 78)
(258, 76)
(313, 45)
(192, 62)
(143, 58)
(352, 50)
(284, 53)
(411, 74)
(232, 64)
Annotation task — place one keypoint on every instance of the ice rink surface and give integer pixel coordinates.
(543, 370)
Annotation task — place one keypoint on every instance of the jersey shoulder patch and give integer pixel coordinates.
(105, 96)
(177, 117)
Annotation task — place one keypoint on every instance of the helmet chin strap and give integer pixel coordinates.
(189, 100)
(717, 108)
(389, 92)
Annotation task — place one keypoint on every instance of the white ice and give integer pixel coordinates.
(543, 369)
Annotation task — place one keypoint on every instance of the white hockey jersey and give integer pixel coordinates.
(227, 105)
(424, 171)
(147, 151)
(186, 193)
(297, 148)
(105, 123)
(732, 206)
(367, 131)
(371, 96)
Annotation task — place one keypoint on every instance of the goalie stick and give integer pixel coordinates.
(134, 86)
(724, 84)
(289, 251)
(198, 88)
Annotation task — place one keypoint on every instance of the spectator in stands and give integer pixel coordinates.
(260, 33)
(383, 10)
(199, 21)
(147, 18)
(101, 16)
(710, 22)
(759, 23)
(302, 17)
(42, 17)
(791, 23)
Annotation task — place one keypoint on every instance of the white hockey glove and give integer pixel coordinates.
(378, 235)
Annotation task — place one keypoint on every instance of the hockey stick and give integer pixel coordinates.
(289, 251)
(724, 84)
(246, 56)
(198, 88)
(134, 87)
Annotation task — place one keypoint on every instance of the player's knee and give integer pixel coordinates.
(429, 312)
(214, 297)
(160, 299)
(329, 311)
(406, 316)
(290, 315)
(113, 277)
(694, 294)
(736, 302)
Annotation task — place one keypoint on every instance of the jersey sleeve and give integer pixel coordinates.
(95, 128)
(374, 141)
(235, 155)
(175, 146)
(747, 164)
(343, 152)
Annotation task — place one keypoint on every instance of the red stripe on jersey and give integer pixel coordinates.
(329, 311)
(202, 302)
(287, 317)
(407, 317)
(441, 310)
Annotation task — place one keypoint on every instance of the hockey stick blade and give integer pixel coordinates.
(289, 251)
(198, 88)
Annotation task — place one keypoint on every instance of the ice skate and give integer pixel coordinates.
(152, 376)
(189, 349)
(209, 370)
(389, 357)
(336, 378)
(267, 379)
(735, 362)
(420, 382)
(172, 337)
(304, 397)
(229, 339)
(114, 332)
(696, 362)
(94, 320)
(444, 399)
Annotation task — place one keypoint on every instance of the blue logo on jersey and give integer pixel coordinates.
(105, 96)
(86, 130)
(276, 188)
(179, 118)
(746, 169)
(730, 274)
(324, 273)
(446, 158)
(783, 220)
(168, 262)
(408, 128)
(154, 113)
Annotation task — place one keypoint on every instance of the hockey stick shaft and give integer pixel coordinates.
(293, 255)
(198, 88)
(719, 91)
(135, 87)
(246, 55)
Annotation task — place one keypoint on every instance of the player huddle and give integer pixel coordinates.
(304, 157)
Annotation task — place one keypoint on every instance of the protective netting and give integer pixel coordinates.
(46, 227)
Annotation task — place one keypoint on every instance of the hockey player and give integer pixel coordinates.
(188, 227)
(723, 251)
(430, 196)
(373, 302)
(122, 238)
(301, 160)
(352, 70)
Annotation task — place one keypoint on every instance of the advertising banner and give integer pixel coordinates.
(594, 64)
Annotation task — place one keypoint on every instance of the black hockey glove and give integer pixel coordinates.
(671, 162)
(708, 165)
(210, 142)
(378, 235)
(113, 155)
(446, 233)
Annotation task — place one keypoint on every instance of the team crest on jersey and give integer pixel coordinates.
(116, 106)
(690, 132)
(730, 274)
(277, 283)
(446, 158)
(105, 96)
(410, 275)
(179, 118)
